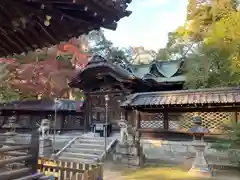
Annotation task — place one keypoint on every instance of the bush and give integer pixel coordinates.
(231, 143)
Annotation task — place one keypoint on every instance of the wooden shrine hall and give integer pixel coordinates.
(158, 111)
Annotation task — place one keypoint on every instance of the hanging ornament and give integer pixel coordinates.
(47, 20)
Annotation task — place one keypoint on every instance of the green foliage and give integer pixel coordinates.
(102, 46)
(8, 94)
(209, 42)
(209, 67)
(232, 143)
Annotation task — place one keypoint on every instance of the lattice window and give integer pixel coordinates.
(152, 121)
(174, 125)
(174, 121)
(211, 120)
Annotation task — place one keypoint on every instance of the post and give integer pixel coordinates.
(235, 117)
(165, 119)
(106, 122)
(86, 111)
(138, 119)
(126, 114)
(54, 125)
(34, 150)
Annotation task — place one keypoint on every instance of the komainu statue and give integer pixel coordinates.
(123, 124)
(44, 128)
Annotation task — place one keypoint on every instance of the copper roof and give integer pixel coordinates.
(30, 24)
(185, 97)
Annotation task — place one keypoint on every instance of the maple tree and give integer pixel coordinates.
(30, 77)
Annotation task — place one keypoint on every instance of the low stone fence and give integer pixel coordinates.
(179, 151)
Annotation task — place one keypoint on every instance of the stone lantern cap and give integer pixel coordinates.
(197, 127)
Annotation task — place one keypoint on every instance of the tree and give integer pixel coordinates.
(100, 45)
(209, 44)
(177, 47)
(47, 75)
(216, 24)
(207, 68)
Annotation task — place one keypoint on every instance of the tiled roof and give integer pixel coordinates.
(42, 105)
(184, 97)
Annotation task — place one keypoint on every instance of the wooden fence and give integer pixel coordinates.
(69, 170)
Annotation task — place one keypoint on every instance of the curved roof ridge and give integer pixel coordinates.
(167, 68)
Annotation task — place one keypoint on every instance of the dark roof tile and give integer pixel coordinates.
(185, 97)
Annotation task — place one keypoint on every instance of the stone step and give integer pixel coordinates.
(92, 141)
(80, 155)
(78, 160)
(85, 150)
(87, 145)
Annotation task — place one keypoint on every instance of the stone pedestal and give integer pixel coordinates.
(129, 154)
(45, 147)
(200, 166)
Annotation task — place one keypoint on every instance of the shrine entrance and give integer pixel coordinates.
(105, 85)
(105, 104)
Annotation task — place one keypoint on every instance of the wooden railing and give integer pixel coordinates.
(20, 160)
(68, 170)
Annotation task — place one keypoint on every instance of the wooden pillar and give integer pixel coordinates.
(86, 112)
(165, 120)
(235, 117)
(33, 162)
(90, 116)
(138, 119)
(126, 115)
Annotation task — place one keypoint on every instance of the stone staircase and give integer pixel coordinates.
(87, 149)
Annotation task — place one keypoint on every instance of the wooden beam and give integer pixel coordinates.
(14, 159)
(14, 173)
(15, 148)
(13, 154)
(31, 177)
(204, 109)
(97, 93)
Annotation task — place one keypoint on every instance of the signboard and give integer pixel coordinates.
(99, 127)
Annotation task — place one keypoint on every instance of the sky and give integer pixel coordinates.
(149, 23)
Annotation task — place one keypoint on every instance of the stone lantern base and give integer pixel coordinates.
(200, 166)
(129, 154)
(45, 147)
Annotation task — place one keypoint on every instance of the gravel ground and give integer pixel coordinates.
(116, 172)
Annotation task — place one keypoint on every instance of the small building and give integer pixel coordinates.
(69, 114)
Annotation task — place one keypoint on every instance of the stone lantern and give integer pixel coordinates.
(11, 133)
(200, 166)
